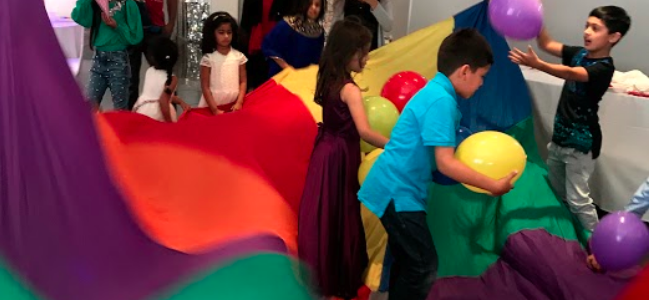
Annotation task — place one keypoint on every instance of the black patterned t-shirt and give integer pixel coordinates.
(576, 124)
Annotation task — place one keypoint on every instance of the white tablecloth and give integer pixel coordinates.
(70, 36)
(624, 162)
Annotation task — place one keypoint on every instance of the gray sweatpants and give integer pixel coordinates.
(569, 171)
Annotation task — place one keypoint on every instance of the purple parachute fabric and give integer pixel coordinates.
(64, 227)
(535, 265)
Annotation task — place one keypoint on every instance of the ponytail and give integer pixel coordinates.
(169, 74)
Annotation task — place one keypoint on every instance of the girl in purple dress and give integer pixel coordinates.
(331, 239)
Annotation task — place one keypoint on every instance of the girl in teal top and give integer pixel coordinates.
(110, 34)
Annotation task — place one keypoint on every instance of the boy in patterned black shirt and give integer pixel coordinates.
(577, 138)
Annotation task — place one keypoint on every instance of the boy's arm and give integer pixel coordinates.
(451, 167)
(547, 44)
(530, 59)
(640, 202)
(438, 132)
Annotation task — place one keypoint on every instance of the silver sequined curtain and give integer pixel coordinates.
(190, 27)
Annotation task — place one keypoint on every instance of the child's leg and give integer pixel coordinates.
(98, 82)
(119, 78)
(414, 254)
(579, 168)
(556, 171)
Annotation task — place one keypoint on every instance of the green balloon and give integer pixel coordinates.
(382, 116)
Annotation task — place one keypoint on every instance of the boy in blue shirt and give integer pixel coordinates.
(577, 137)
(422, 141)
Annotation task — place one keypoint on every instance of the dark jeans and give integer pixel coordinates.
(109, 70)
(415, 260)
(135, 57)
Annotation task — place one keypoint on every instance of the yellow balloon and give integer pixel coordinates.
(382, 116)
(493, 154)
(367, 164)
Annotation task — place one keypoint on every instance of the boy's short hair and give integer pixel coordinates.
(615, 18)
(464, 47)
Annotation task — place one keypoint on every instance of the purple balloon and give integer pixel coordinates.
(517, 19)
(619, 241)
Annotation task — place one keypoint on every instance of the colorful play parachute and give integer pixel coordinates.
(203, 209)
(118, 206)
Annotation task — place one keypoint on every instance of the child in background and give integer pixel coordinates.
(110, 35)
(423, 140)
(331, 238)
(223, 68)
(296, 41)
(158, 93)
(376, 15)
(640, 202)
(577, 138)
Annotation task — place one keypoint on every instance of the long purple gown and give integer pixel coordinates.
(331, 239)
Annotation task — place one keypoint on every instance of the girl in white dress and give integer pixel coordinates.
(158, 93)
(223, 68)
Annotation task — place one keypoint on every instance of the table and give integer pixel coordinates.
(70, 36)
(624, 162)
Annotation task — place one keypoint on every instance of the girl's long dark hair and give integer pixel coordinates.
(208, 43)
(347, 38)
(96, 21)
(302, 8)
(163, 55)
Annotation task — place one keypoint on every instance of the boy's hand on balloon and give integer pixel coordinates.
(528, 58)
(593, 264)
(504, 185)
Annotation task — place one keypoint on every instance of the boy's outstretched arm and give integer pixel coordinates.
(530, 59)
(547, 44)
(451, 167)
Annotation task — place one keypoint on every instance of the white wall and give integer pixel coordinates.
(62, 8)
(401, 16)
(565, 21)
(229, 6)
